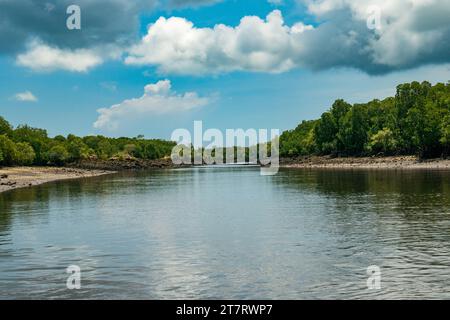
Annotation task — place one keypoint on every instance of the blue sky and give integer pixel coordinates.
(239, 95)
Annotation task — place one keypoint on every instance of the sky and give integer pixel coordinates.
(148, 67)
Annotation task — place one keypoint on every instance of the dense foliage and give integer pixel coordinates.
(415, 122)
(25, 145)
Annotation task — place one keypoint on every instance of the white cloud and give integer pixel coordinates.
(175, 45)
(413, 33)
(158, 99)
(41, 57)
(25, 96)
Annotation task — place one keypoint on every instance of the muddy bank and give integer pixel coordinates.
(126, 164)
(21, 177)
(394, 162)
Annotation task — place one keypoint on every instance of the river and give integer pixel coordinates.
(229, 233)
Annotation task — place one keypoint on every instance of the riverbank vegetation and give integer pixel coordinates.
(414, 122)
(25, 145)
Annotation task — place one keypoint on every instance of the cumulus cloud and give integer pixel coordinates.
(102, 22)
(413, 33)
(41, 57)
(158, 99)
(25, 96)
(175, 45)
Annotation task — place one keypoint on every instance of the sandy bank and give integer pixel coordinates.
(396, 162)
(21, 177)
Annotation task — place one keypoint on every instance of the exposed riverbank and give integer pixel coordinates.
(22, 177)
(394, 162)
(125, 164)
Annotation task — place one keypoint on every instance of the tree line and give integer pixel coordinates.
(26, 145)
(414, 122)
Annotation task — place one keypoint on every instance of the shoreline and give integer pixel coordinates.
(125, 164)
(22, 177)
(390, 162)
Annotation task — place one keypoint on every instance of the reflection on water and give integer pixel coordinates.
(229, 233)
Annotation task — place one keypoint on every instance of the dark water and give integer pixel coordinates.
(229, 233)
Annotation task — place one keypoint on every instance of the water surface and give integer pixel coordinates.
(229, 233)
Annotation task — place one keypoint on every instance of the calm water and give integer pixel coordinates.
(229, 233)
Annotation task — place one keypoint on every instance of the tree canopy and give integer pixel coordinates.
(25, 145)
(414, 122)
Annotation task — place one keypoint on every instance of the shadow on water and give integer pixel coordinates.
(407, 191)
(399, 220)
(25, 201)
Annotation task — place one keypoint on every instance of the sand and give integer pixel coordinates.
(22, 177)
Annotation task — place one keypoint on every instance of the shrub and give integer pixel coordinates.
(8, 150)
(25, 154)
(382, 141)
(57, 155)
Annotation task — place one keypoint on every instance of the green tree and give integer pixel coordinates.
(57, 155)
(445, 134)
(150, 151)
(424, 121)
(409, 103)
(60, 138)
(300, 141)
(104, 149)
(131, 149)
(325, 132)
(8, 151)
(382, 142)
(37, 138)
(25, 153)
(353, 130)
(77, 149)
(5, 127)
